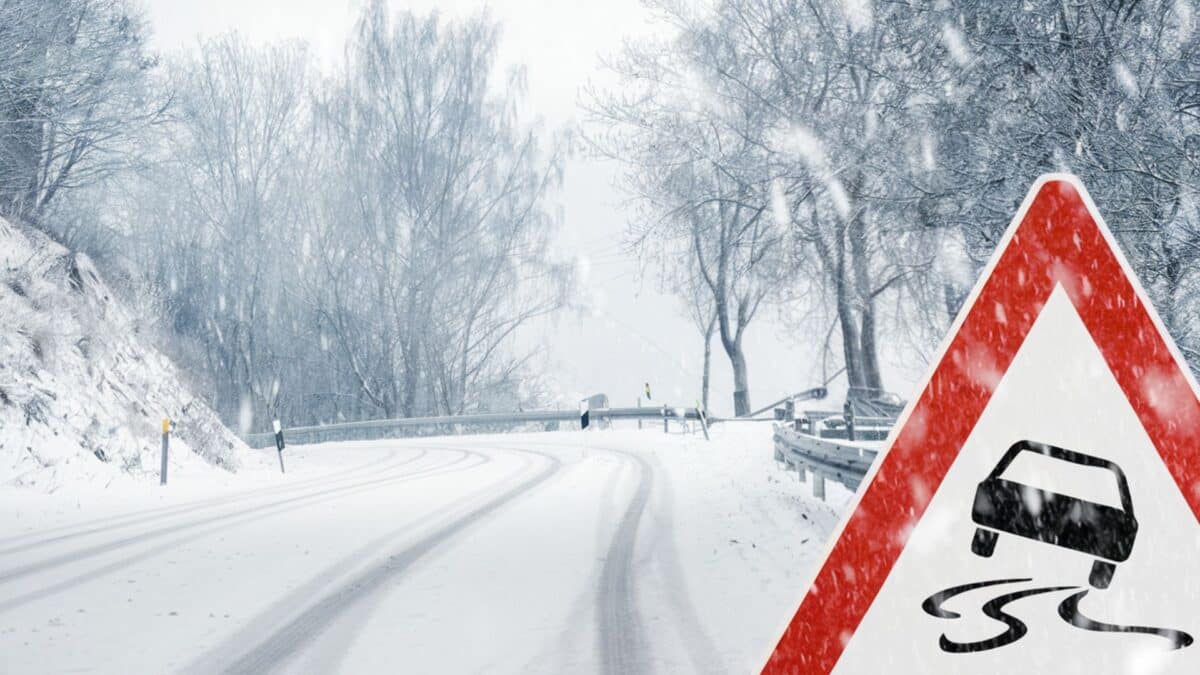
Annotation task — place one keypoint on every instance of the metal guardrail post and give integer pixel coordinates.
(818, 486)
(664, 414)
(849, 415)
(166, 442)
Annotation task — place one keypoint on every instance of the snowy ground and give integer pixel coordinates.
(609, 551)
(82, 391)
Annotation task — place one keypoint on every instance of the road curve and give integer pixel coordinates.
(77, 555)
(55, 535)
(275, 649)
(214, 526)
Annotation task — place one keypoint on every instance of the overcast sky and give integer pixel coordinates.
(633, 333)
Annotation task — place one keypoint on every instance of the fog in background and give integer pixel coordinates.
(369, 210)
(626, 330)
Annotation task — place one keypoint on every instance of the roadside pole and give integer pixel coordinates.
(584, 417)
(703, 415)
(166, 441)
(279, 444)
(848, 415)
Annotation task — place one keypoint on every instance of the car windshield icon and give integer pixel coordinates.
(1004, 506)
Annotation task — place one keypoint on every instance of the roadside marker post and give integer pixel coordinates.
(848, 415)
(996, 531)
(279, 445)
(584, 416)
(166, 441)
(703, 415)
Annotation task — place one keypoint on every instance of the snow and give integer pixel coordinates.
(798, 140)
(1183, 15)
(779, 207)
(82, 396)
(1126, 79)
(928, 150)
(956, 45)
(858, 14)
(620, 548)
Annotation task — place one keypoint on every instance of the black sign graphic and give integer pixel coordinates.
(1004, 506)
(1101, 531)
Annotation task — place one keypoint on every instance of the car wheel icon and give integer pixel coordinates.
(1103, 532)
(984, 543)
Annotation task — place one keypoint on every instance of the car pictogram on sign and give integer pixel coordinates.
(1104, 532)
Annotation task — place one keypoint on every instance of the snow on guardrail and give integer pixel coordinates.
(845, 462)
(372, 429)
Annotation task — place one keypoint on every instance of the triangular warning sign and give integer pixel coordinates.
(1036, 509)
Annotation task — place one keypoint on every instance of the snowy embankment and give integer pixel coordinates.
(605, 551)
(82, 395)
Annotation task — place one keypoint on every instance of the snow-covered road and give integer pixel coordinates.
(614, 551)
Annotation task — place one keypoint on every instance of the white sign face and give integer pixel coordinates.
(278, 426)
(1039, 606)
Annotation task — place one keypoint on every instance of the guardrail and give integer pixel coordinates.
(829, 424)
(375, 429)
(825, 459)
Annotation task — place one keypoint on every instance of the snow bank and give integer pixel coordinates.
(82, 396)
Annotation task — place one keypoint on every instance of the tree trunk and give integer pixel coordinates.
(870, 354)
(953, 301)
(704, 381)
(865, 296)
(741, 381)
(851, 342)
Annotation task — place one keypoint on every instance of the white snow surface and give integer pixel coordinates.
(82, 394)
(612, 550)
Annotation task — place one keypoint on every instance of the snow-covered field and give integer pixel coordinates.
(606, 551)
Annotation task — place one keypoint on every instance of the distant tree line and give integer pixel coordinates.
(366, 242)
(854, 164)
(360, 243)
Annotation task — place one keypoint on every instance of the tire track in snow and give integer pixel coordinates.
(215, 523)
(116, 522)
(702, 652)
(620, 638)
(337, 641)
(123, 563)
(165, 530)
(562, 652)
(274, 650)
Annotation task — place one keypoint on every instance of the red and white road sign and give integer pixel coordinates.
(1037, 508)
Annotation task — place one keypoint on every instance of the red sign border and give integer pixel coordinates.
(1056, 238)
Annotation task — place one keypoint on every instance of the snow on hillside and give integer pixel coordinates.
(82, 395)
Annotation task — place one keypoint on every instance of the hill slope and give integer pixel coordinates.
(82, 395)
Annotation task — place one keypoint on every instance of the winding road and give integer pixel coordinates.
(450, 554)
